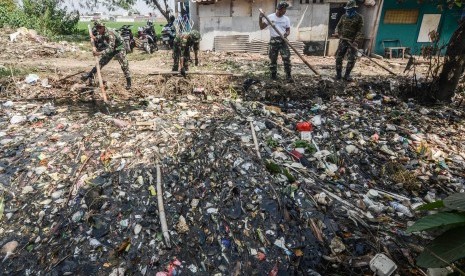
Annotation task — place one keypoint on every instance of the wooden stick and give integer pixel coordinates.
(161, 208)
(289, 44)
(369, 58)
(69, 76)
(257, 148)
(97, 65)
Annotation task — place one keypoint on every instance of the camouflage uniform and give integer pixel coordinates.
(349, 30)
(278, 46)
(114, 48)
(181, 47)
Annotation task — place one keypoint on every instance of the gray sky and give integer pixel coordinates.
(139, 6)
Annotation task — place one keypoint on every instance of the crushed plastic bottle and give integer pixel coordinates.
(401, 209)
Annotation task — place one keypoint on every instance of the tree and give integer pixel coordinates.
(8, 4)
(452, 69)
(161, 5)
(164, 10)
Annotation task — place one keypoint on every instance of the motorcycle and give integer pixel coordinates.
(148, 40)
(168, 33)
(129, 42)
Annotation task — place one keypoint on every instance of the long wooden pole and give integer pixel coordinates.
(97, 65)
(369, 58)
(289, 44)
(161, 208)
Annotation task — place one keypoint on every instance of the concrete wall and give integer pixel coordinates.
(309, 22)
(408, 33)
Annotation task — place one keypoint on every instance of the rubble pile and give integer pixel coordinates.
(24, 43)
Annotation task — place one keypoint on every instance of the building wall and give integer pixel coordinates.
(309, 22)
(408, 33)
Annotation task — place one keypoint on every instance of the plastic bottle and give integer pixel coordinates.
(401, 209)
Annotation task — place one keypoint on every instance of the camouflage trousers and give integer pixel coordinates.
(278, 46)
(179, 51)
(343, 48)
(120, 55)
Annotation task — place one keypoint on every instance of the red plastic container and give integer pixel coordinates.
(304, 126)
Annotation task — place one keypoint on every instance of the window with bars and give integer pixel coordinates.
(401, 17)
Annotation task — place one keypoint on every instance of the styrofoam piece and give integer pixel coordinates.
(444, 271)
(306, 135)
(382, 265)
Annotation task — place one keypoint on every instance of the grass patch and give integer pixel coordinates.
(82, 26)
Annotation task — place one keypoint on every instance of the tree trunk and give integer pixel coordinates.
(164, 11)
(452, 69)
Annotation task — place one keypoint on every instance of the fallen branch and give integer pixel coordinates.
(69, 76)
(161, 208)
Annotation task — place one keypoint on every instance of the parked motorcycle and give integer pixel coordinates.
(129, 42)
(147, 38)
(168, 33)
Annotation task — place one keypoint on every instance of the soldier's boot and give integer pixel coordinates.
(196, 62)
(128, 83)
(175, 68)
(274, 76)
(338, 74)
(347, 76)
(89, 76)
(289, 77)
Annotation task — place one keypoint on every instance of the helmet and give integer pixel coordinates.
(351, 4)
(98, 23)
(195, 35)
(282, 5)
(149, 22)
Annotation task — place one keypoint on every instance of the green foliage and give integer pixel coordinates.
(310, 148)
(275, 169)
(52, 19)
(437, 220)
(8, 4)
(431, 206)
(445, 249)
(45, 16)
(272, 143)
(450, 245)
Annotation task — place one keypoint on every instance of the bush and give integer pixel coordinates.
(51, 19)
(45, 16)
(449, 246)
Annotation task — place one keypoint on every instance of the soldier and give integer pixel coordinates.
(99, 43)
(277, 44)
(114, 47)
(181, 48)
(349, 30)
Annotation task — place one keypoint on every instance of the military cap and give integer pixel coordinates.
(98, 23)
(351, 4)
(195, 35)
(282, 5)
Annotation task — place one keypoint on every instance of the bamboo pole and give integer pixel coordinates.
(161, 208)
(289, 44)
(97, 65)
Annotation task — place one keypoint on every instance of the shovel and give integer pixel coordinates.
(289, 44)
(369, 58)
